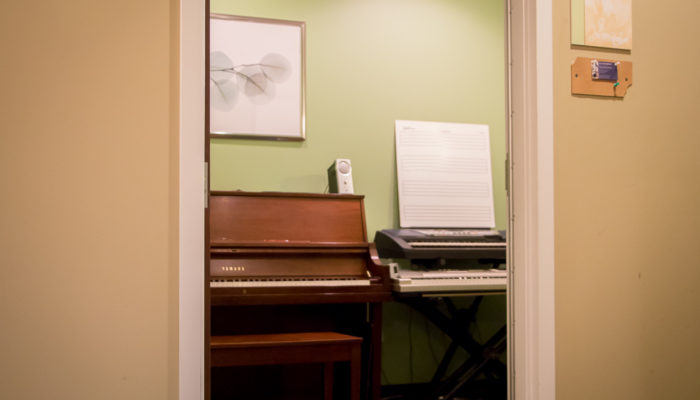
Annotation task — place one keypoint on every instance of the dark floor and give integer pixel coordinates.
(477, 390)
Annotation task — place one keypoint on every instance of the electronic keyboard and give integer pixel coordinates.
(415, 244)
(443, 281)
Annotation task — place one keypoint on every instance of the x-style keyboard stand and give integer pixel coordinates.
(456, 323)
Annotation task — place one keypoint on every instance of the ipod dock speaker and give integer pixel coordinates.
(340, 177)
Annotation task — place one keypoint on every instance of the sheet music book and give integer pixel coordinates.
(444, 175)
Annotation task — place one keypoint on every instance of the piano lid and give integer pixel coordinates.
(275, 219)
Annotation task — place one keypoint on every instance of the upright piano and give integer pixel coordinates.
(291, 262)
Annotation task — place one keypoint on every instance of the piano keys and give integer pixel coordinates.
(281, 282)
(235, 269)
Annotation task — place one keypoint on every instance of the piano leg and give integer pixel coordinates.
(328, 381)
(373, 390)
(355, 373)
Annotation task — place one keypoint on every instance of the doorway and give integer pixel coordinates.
(534, 263)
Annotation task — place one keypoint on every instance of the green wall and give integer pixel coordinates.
(369, 63)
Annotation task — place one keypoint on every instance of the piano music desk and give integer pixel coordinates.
(292, 348)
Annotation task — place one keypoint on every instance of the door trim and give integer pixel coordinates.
(192, 194)
(531, 202)
(531, 304)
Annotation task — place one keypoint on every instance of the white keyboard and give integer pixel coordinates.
(291, 282)
(407, 281)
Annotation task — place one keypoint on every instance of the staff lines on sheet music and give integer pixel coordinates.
(419, 220)
(422, 139)
(446, 188)
(448, 213)
(444, 174)
(427, 144)
(431, 209)
(447, 221)
(448, 164)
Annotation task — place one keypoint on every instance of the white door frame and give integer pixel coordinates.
(531, 202)
(192, 199)
(531, 305)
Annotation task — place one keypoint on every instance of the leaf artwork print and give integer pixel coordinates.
(256, 81)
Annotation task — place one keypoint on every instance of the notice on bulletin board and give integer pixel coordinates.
(444, 175)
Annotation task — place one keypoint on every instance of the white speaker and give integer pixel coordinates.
(340, 176)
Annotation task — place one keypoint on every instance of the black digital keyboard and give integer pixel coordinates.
(416, 244)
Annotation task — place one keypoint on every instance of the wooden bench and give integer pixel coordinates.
(292, 348)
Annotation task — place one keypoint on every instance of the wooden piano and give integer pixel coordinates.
(283, 263)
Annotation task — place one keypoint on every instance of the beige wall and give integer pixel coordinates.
(86, 240)
(87, 222)
(627, 183)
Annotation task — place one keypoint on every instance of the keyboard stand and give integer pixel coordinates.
(456, 323)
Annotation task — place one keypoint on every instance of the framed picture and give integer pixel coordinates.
(602, 23)
(256, 78)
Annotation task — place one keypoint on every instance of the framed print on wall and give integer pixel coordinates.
(256, 78)
(602, 23)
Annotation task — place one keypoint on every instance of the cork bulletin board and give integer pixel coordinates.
(584, 80)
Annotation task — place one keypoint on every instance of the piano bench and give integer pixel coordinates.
(292, 348)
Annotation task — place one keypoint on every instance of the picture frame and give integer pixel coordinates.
(257, 78)
(602, 23)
